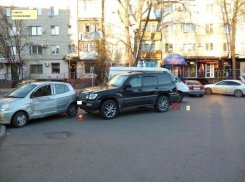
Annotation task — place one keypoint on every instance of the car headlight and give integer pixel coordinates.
(4, 106)
(91, 96)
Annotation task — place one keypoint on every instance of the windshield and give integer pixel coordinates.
(21, 92)
(117, 80)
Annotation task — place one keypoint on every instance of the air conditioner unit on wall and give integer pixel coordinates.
(50, 14)
(44, 45)
(47, 64)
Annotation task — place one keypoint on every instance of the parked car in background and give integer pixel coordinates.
(22, 82)
(229, 87)
(195, 87)
(130, 90)
(36, 100)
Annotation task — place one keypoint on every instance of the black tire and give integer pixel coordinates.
(238, 93)
(162, 104)
(108, 109)
(180, 96)
(19, 119)
(208, 91)
(72, 110)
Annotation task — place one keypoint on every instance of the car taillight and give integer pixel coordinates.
(177, 89)
(191, 88)
(202, 88)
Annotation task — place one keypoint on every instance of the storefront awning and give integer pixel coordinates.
(175, 59)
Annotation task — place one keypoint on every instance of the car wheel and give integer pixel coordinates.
(72, 110)
(180, 96)
(238, 93)
(109, 109)
(19, 119)
(162, 104)
(208, 91)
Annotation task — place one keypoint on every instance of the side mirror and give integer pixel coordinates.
(127, 85)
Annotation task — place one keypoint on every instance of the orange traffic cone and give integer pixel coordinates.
(80, 117)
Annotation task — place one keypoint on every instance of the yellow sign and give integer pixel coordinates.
(24, 14)
(188, 108)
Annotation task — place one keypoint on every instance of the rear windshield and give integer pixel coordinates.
(21, 92)
(193, 83)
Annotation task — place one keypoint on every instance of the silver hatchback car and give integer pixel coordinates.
(36, 100)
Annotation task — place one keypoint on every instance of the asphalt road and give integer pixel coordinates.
(205, 144)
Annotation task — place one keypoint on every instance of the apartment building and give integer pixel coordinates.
(195, 34)
(52, 36)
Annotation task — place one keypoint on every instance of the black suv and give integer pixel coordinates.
(128, 90)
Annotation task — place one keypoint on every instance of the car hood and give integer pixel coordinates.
(98, 88)
(5, 99)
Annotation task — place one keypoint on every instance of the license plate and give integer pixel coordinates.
(79, 102)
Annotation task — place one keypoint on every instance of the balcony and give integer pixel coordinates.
(152, 36)
(86, 36)
(157, 54)
(88, 55)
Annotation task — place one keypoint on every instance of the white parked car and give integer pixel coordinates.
(36, 100)
(229, 87)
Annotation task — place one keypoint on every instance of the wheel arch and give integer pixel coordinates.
(27, 114)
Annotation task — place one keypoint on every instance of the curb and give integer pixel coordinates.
(2, 133)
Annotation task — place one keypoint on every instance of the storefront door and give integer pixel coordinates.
(209, 70)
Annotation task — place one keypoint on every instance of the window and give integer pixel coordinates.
(13, 31)
(36, 68)
(54, 30)
(163, 78)
(221, 83)
(36, 49)
(55, 49)
(242, 48)
(169, 28)
(43, 91)
(55, 68)
(90, 6)
(39, 10)
(108, 29)
(226, 47)
(226, 29)
(87, 28)
(242, 25)
(168, 9)
(8, 11)
(149, 80)
(148, 47)
(68, 10)
(14, 50)
(60, 88)
(232, 83)
(135, 82)
(151, 28)
(209, 46)
(168, 47)
(54, 10)
(69, 30)
(190, 47)
(71, 48)
(189, 27)
(35, 30)
(209, 28)
(209, 7)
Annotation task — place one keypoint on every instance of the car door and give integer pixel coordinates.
(62, 97)
(42, 101)
(231, 86)
(219, 87)
(134, 94)
(151, 88)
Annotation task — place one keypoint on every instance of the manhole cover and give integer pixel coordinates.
(57, 135)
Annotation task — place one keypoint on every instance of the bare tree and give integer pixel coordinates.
(232, 12)
(13, 42)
